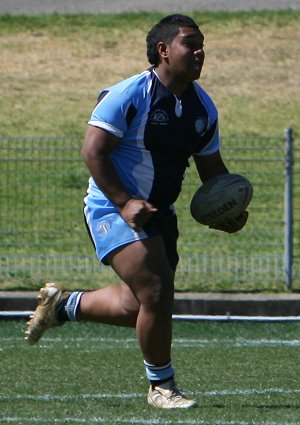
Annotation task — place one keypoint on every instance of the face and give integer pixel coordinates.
(185, 54)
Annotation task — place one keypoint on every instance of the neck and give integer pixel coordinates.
(172, 84)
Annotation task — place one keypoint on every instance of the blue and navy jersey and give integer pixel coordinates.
(158, 134)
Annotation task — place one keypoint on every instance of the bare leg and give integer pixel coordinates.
(144, 267)
(113, 305)
(144, 302)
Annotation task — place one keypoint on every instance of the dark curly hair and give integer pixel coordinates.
(166, 30)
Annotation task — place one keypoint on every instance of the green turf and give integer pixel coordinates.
(39, 84)
(240, 374)
(48, 234)
(52, 69)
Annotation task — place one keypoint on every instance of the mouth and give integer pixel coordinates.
(197, 65)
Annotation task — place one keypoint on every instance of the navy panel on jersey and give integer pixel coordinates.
(158, 134)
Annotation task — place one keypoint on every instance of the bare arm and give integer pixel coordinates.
(211, 166)
(98, 145)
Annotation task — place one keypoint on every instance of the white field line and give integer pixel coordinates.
(79, 397)
(233, 318)
(102, 343)
(136, 421)
(189, 317)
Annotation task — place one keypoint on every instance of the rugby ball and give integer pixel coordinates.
(221, 197)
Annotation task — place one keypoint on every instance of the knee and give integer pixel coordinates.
(157, 293)
(130, 310)
(128, 302)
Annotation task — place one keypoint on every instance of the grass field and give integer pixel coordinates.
(52, 68)
(47, 231)
(240, 374)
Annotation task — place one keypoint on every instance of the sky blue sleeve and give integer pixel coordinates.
(110, 112)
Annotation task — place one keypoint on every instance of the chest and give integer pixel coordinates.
(176, 124)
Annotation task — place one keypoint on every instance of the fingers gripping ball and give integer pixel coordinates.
(221, 197)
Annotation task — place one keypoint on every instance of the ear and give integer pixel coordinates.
(163, 50)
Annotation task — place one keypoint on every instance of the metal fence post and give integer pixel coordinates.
(288, 209)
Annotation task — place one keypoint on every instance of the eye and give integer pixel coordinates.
(194, 45)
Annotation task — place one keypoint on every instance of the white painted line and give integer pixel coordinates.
(137, 421)
(214, 393)
(252, 392)
(116, 421)
(17, 314)
(52, 397)
(47, 343)
(186, 317)
(235, 318)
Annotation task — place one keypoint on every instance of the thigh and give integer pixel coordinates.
(144, 266)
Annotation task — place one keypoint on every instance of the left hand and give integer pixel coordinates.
(231, 225)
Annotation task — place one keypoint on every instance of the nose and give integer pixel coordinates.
(199, 50)
(199, 54)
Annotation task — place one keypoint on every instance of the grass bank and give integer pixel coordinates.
(52, 67)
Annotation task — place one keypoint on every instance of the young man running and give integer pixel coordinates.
(139, 139)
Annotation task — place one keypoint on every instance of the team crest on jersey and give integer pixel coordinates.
(159, 117)
(200, 125)
(104, 226)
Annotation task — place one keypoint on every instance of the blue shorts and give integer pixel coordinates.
(109, 231)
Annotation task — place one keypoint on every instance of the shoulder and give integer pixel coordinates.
(132, 86)
(118, 105)
(205, 98)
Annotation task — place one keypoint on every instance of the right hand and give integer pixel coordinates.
(232, 225)
(136, 213)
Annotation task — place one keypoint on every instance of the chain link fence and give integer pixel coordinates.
(43, 237)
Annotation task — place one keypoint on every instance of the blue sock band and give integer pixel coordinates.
(72, 305)
(159, 373)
